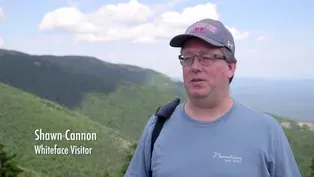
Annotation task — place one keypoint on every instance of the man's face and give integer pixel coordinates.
(202, 81)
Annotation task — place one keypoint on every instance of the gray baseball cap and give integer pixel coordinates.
(212, 31)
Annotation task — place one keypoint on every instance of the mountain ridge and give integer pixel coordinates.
(66, 79)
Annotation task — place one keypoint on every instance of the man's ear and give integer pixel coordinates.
(231, 68)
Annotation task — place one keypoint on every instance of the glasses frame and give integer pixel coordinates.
(202, 58)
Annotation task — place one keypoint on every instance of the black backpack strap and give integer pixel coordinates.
(163, 113)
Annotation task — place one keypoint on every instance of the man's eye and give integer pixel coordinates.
(187, 58)
(207, 57)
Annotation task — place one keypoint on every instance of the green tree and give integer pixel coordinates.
(8, 167)
(312, 168)
(128, 158)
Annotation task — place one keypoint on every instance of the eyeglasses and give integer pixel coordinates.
(205, 59)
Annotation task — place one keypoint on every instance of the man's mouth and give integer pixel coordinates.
(197, 80)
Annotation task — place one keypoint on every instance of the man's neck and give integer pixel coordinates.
(208, 110)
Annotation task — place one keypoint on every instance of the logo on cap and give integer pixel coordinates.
(230, 45)
(202, 27)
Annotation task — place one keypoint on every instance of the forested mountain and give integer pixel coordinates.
(84, 94)
(65, 79)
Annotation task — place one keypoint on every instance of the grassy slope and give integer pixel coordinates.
(302, 144)
(127, 109)
(22, 113)
(301, 141)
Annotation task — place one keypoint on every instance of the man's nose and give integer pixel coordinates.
(196, 63)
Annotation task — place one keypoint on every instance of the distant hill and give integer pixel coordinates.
(289, 98)
(22, 113)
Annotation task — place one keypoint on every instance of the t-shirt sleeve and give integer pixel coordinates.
(283, 163)
(140, 163)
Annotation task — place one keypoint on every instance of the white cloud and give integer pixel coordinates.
(129, 21)
(238, 35)
(2, 15)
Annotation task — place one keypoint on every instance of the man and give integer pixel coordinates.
(211, 134)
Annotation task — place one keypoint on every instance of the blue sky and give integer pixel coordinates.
(273, 38)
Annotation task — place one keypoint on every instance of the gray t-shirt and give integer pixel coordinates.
(242, 143)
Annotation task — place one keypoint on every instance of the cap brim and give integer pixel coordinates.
(179, 40)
